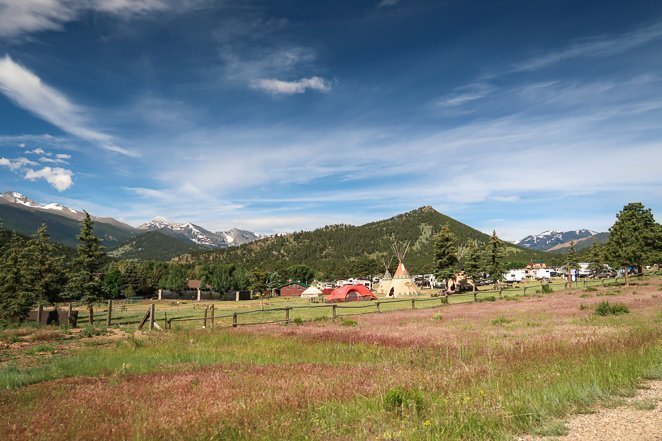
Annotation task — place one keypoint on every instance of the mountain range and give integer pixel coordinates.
(23, 215)
(559, 241)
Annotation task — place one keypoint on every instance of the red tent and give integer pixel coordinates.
(351, 293)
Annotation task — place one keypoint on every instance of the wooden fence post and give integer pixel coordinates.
(234, 320)
(287, 314)
(40, 313)
(90, 317)
(212, 315)
(110, 313)
(500, 293)
(413, 303)
(69, 314)
(334, 311)
(152, 313)
(166, 325)
(524, 293)
(475, 296)
(204, 322)
(377, 305)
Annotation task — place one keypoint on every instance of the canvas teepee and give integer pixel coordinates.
(385, 283)
(402, 283)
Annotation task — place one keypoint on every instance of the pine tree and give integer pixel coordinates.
(494, 254)
(595, 258)
(44, 268)
(571, 262)
(634, 238)
(16, 297)
(473, 261)
(445, 253)
(85, 282)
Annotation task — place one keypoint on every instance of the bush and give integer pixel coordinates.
(501, 321)
(91, 331)
(399, 400)
(437, 317)
(298, 321)
(606, 308)
(348, 322)
(590, 289)
(546, 289)
(486, 299)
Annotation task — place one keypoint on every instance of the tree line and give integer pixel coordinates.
(34, 270)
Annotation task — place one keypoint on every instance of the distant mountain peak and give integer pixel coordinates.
(549, 239)
(200, 235)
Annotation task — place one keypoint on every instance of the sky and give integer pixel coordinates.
(280, 116)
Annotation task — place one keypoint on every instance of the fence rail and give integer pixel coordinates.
(285, 314)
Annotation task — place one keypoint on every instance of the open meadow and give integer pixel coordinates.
(488, 370)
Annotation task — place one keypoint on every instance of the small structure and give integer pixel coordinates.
(351, 293)
(311, 293)
(402, 283)
(292, 289)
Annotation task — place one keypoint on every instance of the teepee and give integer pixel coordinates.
(401, 284)
(385, 283)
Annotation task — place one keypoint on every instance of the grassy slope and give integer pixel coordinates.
(481, 372)
(327, 248)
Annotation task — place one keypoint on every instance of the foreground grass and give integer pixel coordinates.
(481, 371)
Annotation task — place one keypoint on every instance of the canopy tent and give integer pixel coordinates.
(351, 293)
(311, 292)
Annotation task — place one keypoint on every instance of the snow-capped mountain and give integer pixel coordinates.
(199, 235)
(549, 239)
(13, 197)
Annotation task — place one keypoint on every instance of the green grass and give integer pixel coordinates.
(606, 308)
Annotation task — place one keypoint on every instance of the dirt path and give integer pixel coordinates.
(634, 419)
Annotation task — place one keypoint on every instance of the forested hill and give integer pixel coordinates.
(331, 248)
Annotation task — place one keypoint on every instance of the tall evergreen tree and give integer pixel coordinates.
(571, 262)
(16, 296)
(473, 261)
(85, 282)
(445, 253)
(494, 253)
(44, 268)
(635, 238)
(595, 258)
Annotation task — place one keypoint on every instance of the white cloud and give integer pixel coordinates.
(59, 178)
(28, 91)
(16, 164)
(594, 47)
(19, 17)
(465, 94)
(38, 151)
(387, 3)
(279, 87)
(63, 156)
(48, 160)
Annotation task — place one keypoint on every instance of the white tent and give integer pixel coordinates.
(385, 282)
(401, 284)
(311, 292)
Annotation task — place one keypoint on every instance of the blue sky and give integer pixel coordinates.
(272, 116)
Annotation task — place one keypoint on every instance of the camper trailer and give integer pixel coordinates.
(515, 276)
(543, 274)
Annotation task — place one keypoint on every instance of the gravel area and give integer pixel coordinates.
(635, 419)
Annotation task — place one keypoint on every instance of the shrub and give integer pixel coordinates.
(546, 289)
(437, 316)
(486, 299)
(298, 321)
(606, 308)
(320, 318)
(91, 331)
(590, 289)
(399, 400)
(348, 322)
(501, 321)
(444, 300)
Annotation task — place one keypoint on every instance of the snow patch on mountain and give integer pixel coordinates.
(549, 239)
(200, 235)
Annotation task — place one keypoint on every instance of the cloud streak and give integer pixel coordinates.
(279, 87)
(27, 91)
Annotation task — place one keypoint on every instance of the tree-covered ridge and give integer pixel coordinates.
(154, 245)
(329, 249)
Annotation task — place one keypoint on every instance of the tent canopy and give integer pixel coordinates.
(311, 292)
(350, 293)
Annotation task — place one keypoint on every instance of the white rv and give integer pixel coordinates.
(544, 274)
(516, 275)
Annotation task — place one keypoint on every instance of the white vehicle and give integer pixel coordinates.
(365, 282)
(543, 274)
(515, 275)
(584, 271)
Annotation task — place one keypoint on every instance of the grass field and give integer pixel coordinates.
(488, 370)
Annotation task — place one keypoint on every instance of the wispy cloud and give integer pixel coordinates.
(27, 90)
(279, 87)
(594, 47)
(465, 94)
(18, 17)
